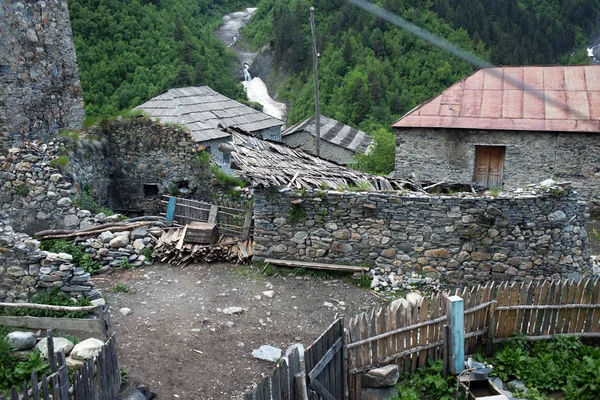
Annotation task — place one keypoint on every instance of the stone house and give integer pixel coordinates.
(340, 143)
(508, 127)
(207, 114)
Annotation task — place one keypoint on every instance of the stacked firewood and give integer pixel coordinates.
(172, 248)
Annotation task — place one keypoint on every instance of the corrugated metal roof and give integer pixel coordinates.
(202, 109)
(334, 132)
(557, 98)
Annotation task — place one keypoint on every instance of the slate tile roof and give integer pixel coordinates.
(532, 98)
(202, 110)
(334, 132)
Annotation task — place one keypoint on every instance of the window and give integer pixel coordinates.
(150, 190)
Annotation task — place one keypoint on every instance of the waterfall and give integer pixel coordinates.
(247, 76)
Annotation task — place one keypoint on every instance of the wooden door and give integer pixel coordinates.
(489, 165)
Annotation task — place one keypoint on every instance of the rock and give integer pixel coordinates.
(557, 216)
(71, 362)
(64, 202)
(139, 233)
(125, 311)
(98, 302)
(378, 393)
(138, 244)
(414, 299)
(71, 221)
(118, 242)
(59, 343)
(267, 353)
(233, 310)
(381, 377)
(86, 349)
(32, 244)
(21, 340)
(106, 236)
(269, 293)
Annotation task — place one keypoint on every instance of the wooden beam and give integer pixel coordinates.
(171, 210)
(455, 318)
(76, 324)
(313, 265)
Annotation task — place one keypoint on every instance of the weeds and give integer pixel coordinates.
(297, 214)
(121, 288)
(125, 264)
(146, 252)
(80, 257)
(59, 162)
(22, 190)
(86, 201)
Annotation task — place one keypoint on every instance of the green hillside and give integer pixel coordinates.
(131, 50)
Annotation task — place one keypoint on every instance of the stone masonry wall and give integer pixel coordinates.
(40, 91)
(114, 161)
(138, 155)
(449, 155)
(457, 239)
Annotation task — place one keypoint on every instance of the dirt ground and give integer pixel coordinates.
(158, 347)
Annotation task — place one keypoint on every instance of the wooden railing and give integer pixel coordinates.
(230, 220)
(408, 335)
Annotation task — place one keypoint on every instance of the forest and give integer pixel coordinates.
(129, 51)
(370, 73)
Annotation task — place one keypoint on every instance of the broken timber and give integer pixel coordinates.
(173, 248)
(313, 265)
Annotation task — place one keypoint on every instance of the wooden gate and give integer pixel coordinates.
(489, 165)
(325, 362)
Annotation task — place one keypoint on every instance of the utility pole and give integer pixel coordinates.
(316, 76)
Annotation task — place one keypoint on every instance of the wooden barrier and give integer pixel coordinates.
(408, 335)
(100, 324)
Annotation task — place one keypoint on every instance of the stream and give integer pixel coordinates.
(256, 89)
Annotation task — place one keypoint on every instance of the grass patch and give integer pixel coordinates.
(60, 162)
(297, 214)
(595, 235)
(22, 190)
(121, 288)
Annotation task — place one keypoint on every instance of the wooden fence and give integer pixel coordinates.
(230, 220)
(98, 324)
(281, 385)
(408, 335)
(322, 376)
(98, 379)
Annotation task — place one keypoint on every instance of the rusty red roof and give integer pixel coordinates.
(557, 98)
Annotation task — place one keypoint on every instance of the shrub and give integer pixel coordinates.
(80, 257)
(14, 371)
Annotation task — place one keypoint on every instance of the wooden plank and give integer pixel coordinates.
(78, 324)
(212, 215)
(35, 390)
(564, 299)
(533, 313)
(45, 392)
(593, 323)
(511, 318)
(325, 359)
(586, 297)
(373, 333)
(364, 333)
(423, 332)
(284, 382)
(312, 265)
(575, 314)
(500, 316)
(248, 222)
(542, 299)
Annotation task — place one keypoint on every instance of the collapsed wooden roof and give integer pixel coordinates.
(265, 163)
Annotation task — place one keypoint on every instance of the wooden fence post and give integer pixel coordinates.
(489, 347)
(171, 210)
(455, 315)
(248, 222)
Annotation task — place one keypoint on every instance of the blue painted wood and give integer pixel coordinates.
(456, 322)
(171, 209)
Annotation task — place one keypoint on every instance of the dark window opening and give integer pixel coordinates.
(150, 190)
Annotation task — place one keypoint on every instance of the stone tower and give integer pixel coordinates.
(40, 91)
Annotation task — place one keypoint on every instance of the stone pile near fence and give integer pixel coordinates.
(534, 233)
(124, 249)
(57, 270)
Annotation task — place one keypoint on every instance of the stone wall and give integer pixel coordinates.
(143, 160)
(459, 239)
(449, 155)
(40, 91)
(306, 142)
(127, 165)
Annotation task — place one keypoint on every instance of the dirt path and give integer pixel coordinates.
(157, 345)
